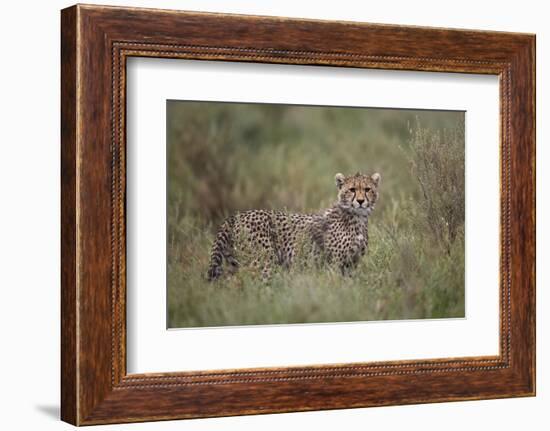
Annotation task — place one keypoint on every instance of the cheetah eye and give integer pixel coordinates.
(368, 189)
(352, 189)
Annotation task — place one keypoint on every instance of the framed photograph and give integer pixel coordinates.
(264, 214)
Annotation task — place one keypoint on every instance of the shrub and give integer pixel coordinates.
(437, 162)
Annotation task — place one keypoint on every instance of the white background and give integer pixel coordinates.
(29, 225)
(152, 349)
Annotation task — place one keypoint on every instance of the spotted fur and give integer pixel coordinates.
(338, 235)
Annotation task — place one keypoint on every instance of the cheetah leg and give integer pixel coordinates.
(232, 262)
(264, 266)
(266, 256)
(346, 267)
(266, 271)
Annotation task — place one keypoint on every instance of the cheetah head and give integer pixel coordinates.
(358, 193)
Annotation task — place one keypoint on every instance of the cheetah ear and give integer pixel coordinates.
(376, 178)
(339, 178)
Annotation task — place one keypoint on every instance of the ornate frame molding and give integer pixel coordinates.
(96, 41)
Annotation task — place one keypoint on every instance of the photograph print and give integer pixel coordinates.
(289, 214)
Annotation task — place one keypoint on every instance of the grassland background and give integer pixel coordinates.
(226, 157)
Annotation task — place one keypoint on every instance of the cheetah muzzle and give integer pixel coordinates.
(338, 235)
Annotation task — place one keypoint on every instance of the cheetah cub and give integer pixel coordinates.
(338, 235)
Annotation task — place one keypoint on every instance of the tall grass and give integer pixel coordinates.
(224, 158)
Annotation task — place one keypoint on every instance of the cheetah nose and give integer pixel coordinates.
(360, 201)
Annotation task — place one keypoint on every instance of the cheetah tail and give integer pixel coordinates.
(221, 248)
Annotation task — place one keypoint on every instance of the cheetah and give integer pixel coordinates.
(338, 235)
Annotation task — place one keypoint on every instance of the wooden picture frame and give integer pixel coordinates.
(95, 43)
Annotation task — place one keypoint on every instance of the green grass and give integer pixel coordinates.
(228, 157)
